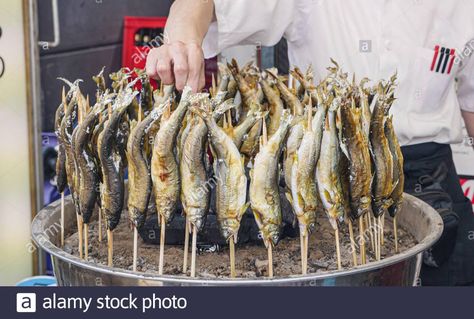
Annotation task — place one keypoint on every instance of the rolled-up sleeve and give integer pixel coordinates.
(465, 78)
(259, 22)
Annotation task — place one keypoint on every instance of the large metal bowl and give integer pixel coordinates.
(403, 269)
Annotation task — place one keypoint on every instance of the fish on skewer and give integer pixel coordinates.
(112, 161)
(356, 146)
(264, 190)
(382, 185)
(139, 173)
(87, 168)
(327, 174)
(196, 180)
(398, 176)
(164, 168)
(231, 189)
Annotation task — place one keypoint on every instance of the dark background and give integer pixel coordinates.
(91, 37)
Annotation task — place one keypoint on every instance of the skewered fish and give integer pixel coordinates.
(87, 166)
(327, 171)
(358, 155)
(398, 177)
(305, 198)
(61, 175)
(112, 161)
(139, 176)
(231, 190)
(264, 184)
(383, 162)
(164, 166)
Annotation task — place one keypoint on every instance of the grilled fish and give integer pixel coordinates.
(360, 170)
(398, 176)
(382, 157)
(327, 170)
(164, 166)
(305, 197)
(112, 161)
(264, 184)
(87, 166)
(139, 176)
(275, 106)
(231, 189)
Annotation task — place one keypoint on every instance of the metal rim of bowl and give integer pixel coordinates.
(52, 249)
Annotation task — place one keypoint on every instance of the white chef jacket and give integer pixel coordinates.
(374, 39)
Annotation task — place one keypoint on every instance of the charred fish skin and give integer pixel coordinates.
(327, 174)
(164, 165)
(112, 164)
(398, 176)
(360, 170)
(231, 189)
(87, 166)
(264, 184)
(382, 158)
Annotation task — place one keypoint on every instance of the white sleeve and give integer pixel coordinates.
(465, 78)
(259, 22)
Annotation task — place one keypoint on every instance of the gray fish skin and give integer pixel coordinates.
(327, 171)
(87, 166)
(164, 165)
(264, 189)
(382, 158)
(231, 188)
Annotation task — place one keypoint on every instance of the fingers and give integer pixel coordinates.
(158, 65)
(196, 67)
(178, 63)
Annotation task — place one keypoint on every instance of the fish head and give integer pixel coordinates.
(230, 228)
(271, 234)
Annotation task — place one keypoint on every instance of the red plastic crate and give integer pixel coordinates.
(134, 55)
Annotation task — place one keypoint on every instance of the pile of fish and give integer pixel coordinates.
(332, 145)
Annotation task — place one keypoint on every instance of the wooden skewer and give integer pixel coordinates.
(363, 258)
(80, 231)
(302, 249)
(338, 249)
(374, 223)
(306, 253)
(135, 248)
(353, 248)
(382, 226)
(162, 245)
(186, 246)
(379, 221)
(86, 241)
(110, 248)
(193, 252)
(371, 231)
(395, 233)
(62, 219)
(232, 257)
(270, 260)
(100, 225)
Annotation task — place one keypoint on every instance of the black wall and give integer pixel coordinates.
(91, 37)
